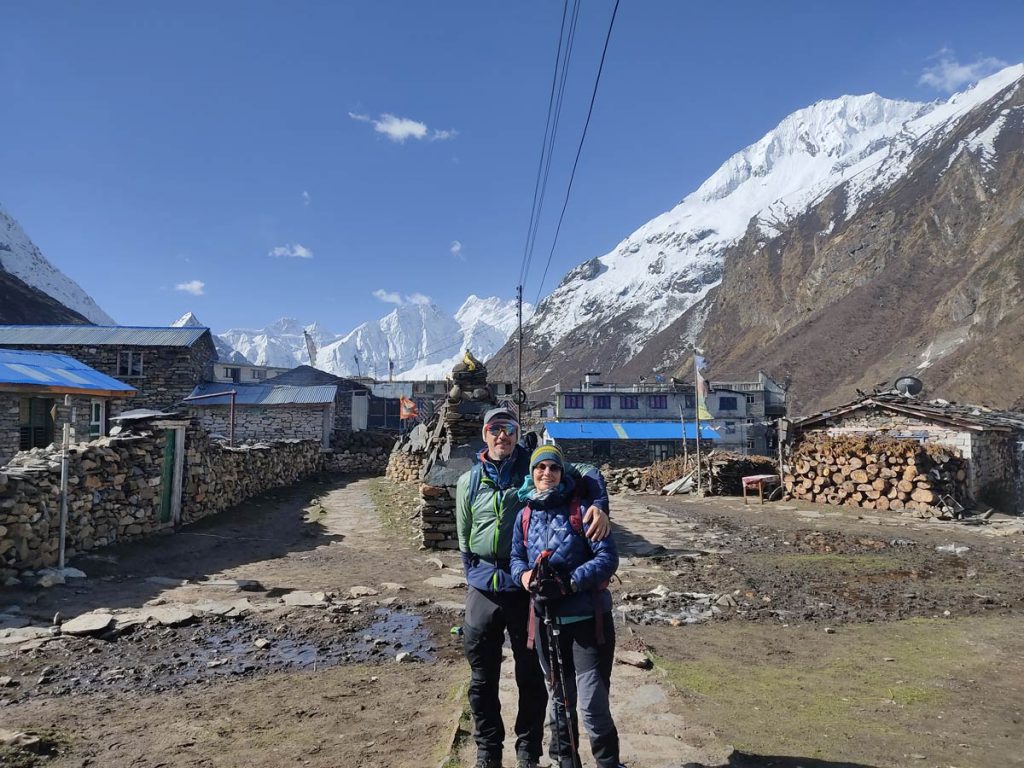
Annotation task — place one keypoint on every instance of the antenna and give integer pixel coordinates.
(909, 385)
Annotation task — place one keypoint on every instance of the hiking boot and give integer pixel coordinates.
(526, 762)
(487, 762)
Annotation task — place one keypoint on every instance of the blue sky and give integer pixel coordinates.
(236, 159)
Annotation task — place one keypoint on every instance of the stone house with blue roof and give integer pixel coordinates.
(163, 365)
(33, 389)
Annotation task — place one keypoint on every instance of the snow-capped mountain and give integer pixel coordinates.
(20, 257)
(420, 340)
(224, 351)
(853, 149)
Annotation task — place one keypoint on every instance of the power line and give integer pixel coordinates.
(543, 147)
(550, 148)
(579, 150)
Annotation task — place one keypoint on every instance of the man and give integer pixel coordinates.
(485, 513)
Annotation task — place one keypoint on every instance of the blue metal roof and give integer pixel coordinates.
(263, 394)
(626, 430)
(85, 335)
(55, 373)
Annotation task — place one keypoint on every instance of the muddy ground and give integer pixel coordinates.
(307, 628)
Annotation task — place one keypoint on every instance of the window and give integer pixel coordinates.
(257, 374)
(657, 401)
(660, 451)
(629, 402)
(750, 443)
(602, 402)
(97, 418)
(689, 400)
(730, 427)
(35, 423)
(750, 399)
(601, 449)
(726, 403)
(574, 401)
(129, 363)
(235, 374)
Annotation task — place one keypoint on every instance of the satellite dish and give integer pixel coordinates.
(909, 385)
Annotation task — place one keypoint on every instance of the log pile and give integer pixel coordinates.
(876, 472)
(627, 479)
(721, 471)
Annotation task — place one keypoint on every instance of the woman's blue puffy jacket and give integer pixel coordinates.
(587, 564)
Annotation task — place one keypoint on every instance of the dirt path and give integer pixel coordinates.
(271, 635)
(326, 689)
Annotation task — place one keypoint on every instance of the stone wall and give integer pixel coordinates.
(995, 465)
(115, 491)
(405, 466)
(169, 374)
(616, 453)
(364, 453)
(254, 423)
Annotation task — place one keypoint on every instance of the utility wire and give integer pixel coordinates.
(534, 211)
(579, 150)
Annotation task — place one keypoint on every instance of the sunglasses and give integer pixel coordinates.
(502, 427)
(547, 467)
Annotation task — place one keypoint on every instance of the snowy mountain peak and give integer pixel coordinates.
(670, 263)
(188, 320)
(419, 339)
(20, 257)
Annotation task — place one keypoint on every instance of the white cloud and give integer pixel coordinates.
(195, 287)
(949, 75)
(387, 297)
(296, 251)
(456, 250)
(393, 297)
(399, 129)
(306, 199)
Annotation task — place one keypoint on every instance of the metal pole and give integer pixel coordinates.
(519, 313)
(65, 443)
(231, 420)
(696, 402)
(686, 448)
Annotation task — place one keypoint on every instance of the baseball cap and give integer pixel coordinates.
(500, 413)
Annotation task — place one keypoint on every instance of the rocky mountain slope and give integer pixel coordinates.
(32, 290)
(859, 239)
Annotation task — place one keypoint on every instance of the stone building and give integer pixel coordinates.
(265, 412)
(163, 365)
(744, 412)
(626, 443)
(991, 441)
(41, 391)
(351, 399)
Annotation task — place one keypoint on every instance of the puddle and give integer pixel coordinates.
(163, 659)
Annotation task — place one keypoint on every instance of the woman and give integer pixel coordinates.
(568, 575)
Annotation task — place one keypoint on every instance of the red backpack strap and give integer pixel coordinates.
(526, 524)
(576, 515)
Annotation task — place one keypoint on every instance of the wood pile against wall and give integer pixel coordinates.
(721, 471)
(875, 473)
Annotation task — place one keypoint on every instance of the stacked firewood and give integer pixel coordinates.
(627, 479)
(876, 472)
(721, 471)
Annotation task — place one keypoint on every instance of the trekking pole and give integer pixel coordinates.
(552, 679)
(557, 661)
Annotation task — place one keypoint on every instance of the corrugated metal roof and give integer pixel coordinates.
(392, 390)
(974, 417)
(625, 430)
(55, 373)
(122, 335)
(263, 394)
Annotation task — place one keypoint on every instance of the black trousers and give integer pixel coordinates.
(488, 616)
(587, 673)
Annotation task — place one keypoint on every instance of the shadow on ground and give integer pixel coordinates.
(747, 760)
(272, 525)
